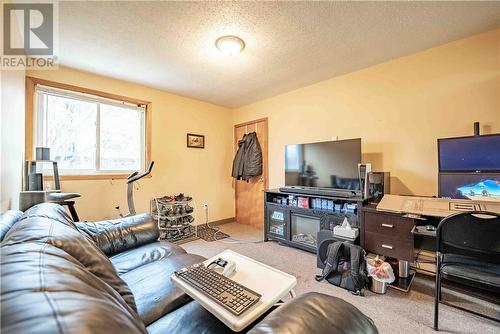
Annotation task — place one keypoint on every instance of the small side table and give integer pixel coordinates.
(30, 167)
(271, 283)
(29, 198)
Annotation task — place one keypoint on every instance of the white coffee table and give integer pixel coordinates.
(272, 284)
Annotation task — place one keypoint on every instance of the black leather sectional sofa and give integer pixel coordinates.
(58, 276)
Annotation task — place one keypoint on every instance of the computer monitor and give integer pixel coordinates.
(469, 167)
(470, 154)
(474, 186)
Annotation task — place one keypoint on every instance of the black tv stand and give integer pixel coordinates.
(322, 192)
(295, 218)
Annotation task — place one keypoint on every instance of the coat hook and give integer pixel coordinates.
(256, 127)
(246, 129)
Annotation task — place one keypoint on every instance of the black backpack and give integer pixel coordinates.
(345, 267)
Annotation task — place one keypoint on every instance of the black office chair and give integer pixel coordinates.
(468, 253)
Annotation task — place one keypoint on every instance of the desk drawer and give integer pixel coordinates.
(401, 249)
(393, 226)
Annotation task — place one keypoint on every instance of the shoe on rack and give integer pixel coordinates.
(167, 198)
(182, 198)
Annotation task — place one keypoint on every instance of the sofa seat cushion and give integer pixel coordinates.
(46, 290)
(316, 313)
(194, 318)
(188, 319)
(472, 272)
(155, 294)
(134, 258)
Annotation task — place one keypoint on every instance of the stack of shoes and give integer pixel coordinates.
(174, 216)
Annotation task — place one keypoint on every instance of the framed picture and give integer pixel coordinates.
(195, 141)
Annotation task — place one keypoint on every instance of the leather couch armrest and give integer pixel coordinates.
(316, 313)
(117, 235)
(7, 220)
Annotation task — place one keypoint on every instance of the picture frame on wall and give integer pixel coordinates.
(195, 141)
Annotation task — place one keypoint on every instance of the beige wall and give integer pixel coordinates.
(12, 137)
(204, 174)
(398, 108)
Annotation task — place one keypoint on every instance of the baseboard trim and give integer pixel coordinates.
(223, 221)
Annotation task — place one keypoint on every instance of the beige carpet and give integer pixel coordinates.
(394, 312)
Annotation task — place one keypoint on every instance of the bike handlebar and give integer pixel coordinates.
(135, 176)
(132, 175)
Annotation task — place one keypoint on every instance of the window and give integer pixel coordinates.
(292, 158)
(89, 134)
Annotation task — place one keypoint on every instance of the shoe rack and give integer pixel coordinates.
(174, 215)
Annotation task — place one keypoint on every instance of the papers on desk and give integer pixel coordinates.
(431, 206)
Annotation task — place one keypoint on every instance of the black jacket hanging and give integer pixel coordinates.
(248, 160)
(238, 159)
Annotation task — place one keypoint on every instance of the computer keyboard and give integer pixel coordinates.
(224, 291)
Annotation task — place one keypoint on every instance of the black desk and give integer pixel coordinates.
(396, 235)
(423, 239)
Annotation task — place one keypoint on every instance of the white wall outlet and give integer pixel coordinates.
(335, 137)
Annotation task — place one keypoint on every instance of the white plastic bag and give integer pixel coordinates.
(380, 270)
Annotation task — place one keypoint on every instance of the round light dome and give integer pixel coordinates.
(230, 45)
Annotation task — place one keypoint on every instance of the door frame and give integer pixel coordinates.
(265, 156)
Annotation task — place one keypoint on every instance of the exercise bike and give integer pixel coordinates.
(135, 176)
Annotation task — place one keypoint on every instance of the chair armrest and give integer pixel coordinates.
(316, 313)
(117, 235)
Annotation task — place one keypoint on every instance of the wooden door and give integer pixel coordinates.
(249, 195)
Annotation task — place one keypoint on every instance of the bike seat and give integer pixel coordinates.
(60, 197)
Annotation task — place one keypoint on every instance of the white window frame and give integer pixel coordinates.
(39, 131)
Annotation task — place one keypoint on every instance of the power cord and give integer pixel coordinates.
(240, 241)
(215, 229)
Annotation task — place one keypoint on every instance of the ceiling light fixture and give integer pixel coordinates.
(230, 45)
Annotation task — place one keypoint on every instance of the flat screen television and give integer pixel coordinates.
(470, 154)
(469, 167)
(329, 165)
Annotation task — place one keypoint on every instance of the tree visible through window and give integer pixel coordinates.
(88, 134)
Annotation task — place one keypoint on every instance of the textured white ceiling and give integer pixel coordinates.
(170, 45)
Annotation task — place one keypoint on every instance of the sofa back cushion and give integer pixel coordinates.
(45, 290)
(52, 275)
(118, 235)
